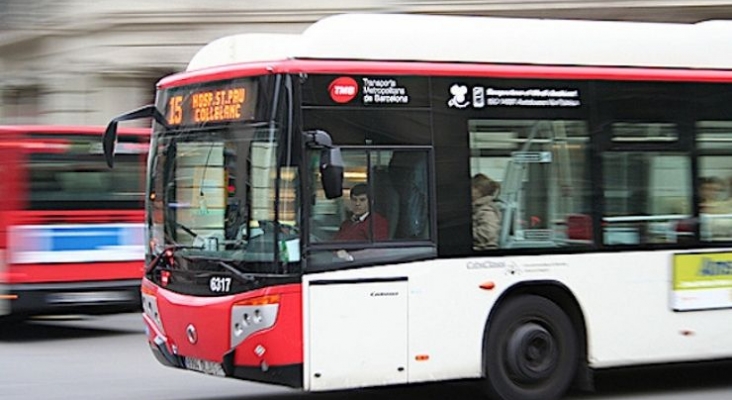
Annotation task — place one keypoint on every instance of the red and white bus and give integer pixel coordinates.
(71, 229)
(609, 243)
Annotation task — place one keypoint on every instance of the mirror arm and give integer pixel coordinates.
(110, 134)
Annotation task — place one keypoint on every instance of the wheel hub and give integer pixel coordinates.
(532, 353)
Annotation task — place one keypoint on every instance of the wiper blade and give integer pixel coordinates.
(242, 276)
(186, 229)
(174, 247)
(183, 246)
(169, 248)
(249, 276)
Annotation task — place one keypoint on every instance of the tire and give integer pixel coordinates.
(531, 351)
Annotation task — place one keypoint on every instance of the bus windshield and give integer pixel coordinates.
(212, 197)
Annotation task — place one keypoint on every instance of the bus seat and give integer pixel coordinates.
(579, 227)
(386, 200)
(408, 172)
(685, 230)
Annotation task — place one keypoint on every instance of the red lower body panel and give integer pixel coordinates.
(203, 328)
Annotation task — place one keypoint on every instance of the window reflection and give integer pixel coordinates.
(647, 197)
(529, 184)
(390, 184)
(714, 139)
(385, 199)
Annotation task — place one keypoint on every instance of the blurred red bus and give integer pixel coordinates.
(71, 229)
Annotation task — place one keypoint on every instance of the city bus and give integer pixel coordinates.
(600, 236)
(71, 229)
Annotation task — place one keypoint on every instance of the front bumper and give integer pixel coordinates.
(287, 375)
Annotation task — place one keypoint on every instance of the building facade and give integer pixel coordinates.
(82, 62)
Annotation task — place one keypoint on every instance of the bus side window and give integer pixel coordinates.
(385, 198)
(542, 171)
(397, 189)
(715, 180)
(647, 197)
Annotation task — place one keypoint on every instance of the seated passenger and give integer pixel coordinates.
(486, 215)
(715, 210)
(711, 196)
(358, 227)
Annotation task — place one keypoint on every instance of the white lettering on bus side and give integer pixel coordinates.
(536, 97)
(344, 90)
(384, 91)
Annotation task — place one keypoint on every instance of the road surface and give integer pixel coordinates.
(107, 358)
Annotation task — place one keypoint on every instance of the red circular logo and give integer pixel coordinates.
(343, 89)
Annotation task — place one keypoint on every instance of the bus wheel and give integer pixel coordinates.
(531, 351)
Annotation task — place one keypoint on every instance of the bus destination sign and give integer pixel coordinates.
(229, 101)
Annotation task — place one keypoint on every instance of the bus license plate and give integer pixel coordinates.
(207, 367)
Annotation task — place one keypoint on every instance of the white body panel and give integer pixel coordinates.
(358, 334)
(245, 47)
(408, 37)
(625, 299)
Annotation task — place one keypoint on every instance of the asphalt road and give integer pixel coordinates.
(104, 358)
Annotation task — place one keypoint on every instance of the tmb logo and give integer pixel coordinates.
(343, 89)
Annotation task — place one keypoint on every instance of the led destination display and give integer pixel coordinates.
(225, 102)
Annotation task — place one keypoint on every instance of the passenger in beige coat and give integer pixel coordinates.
(486, 215)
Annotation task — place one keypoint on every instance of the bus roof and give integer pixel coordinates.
(468, 39)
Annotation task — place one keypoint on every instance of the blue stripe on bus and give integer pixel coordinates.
(70, 239)
(76, 243)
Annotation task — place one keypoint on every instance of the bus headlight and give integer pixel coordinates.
(252, 315)
(150, 308)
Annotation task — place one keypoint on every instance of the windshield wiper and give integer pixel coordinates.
(172, 248)
(186, 229)
(249, 276)
(183, 246)
(242, 276)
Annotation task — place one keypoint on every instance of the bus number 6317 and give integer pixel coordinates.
(219, 284)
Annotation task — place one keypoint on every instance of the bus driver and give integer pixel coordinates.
(359, 226)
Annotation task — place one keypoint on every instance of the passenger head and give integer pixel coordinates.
(359, 199)
(482, 186)
(710, 189)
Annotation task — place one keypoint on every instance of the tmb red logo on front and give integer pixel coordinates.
(343, 89)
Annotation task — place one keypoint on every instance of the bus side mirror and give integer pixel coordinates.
(331, 162)
(109, 140)
(331, 172)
